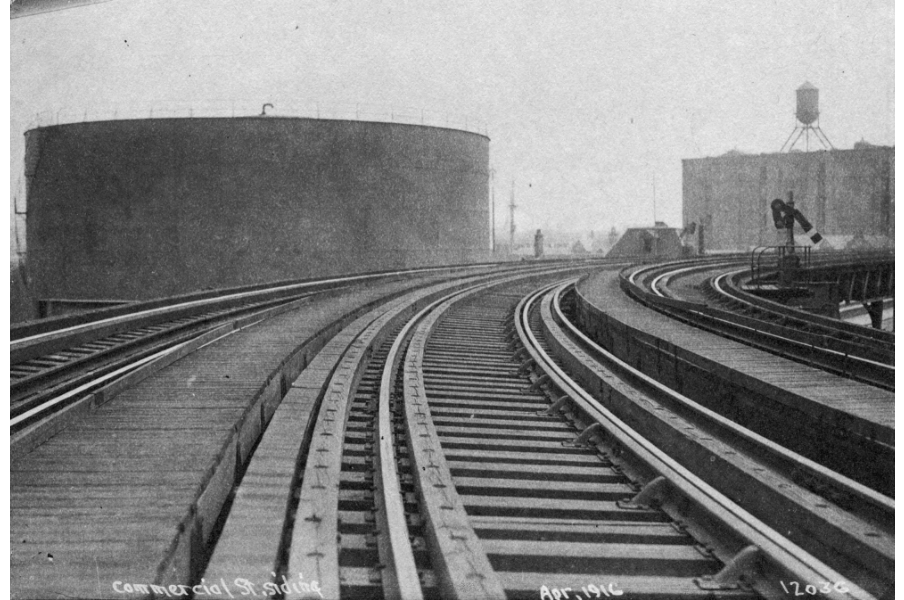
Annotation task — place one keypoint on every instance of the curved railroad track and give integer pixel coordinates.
(719, 305)
(453, 455)
(54, 363)
(464, 437)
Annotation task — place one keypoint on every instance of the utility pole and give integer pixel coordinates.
(492, 213)
(512, 220)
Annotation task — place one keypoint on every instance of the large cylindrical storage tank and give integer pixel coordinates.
(148, 208)
(807, 103)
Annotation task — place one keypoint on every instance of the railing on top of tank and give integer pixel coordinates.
(359, 111)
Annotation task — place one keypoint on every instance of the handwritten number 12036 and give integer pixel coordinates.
(825, 587)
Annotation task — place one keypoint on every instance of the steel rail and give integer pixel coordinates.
(29, 425)
(660, 283)
(791, 460)
(848, 434)
(833, 334)
(886, 370)
(42, 408)
(782, 559)
(359, 348)
(312, 548)
(59, 377)
(400, 576)
(842, 522)
(725, 285)
(780, 311)
(645, 269)
(65, 381)
(44, 405)
(821, 263)
(462, 565)
(757, 333)
(458, 558)
(19, 348)
(120, 319)
(17, 344)
(865, 346)
(37, 329)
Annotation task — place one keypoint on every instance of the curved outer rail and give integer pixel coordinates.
(882, 342)
(705, 262)
(760, 334)
(838, 339)
(33, 328)
(458, 557)
(400, 577)
(35, 425)
(660, 283)
(32, 381)
(36, 338)
(463, 567)
(313, 547)
(316, 524)
(723, 462)
(732, 286)
(296, 451)
(34, 344)
(782, 559)
(819, 261)
(743, 436)
(87, 373)
(182, 553)
(51, 324)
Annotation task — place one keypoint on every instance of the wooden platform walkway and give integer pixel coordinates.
(126, 495)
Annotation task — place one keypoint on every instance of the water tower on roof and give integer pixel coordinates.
(807, 120)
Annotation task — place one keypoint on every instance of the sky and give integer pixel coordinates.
(589, 105)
